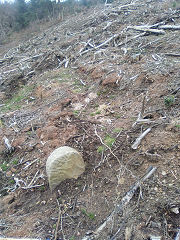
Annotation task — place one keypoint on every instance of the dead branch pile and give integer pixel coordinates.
(107, 33)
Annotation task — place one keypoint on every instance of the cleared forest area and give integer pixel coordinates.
(106, 82)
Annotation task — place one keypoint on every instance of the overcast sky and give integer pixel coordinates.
(2, 1)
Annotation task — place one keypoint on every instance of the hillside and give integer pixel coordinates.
(96, 81)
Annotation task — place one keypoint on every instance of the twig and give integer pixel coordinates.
(152, 155)
(34, 186)
(17, 182)
(31, 163)
(155, 238)
(66, 63)
(33, 179)
(8, 145)
(124, 201)
(138, 140)
(106, 145)
(143, 105)
(178, 234)
(118, 231)
(58, 221)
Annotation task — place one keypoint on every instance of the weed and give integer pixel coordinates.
(98, 112)
(42, 188)
(15, 162)
(59, 76)
(100, 149)
(90, 215)
(77, 90)
(92, 114)
(112, 96)
(11, 181)
(177, 125)
(109, 141)
(84, 211)
(76, 112)
(13, 103)
(72, 238)
(169, 101)
(117, 115)
(174, 4)
(1, 123)
(4, 167)
(77, 83)
(117, 130)
(103, 92)
(54, 226)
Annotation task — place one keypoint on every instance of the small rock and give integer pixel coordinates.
(163, 173)
(155, 224)
(8, 174)
(121, 180)
(92, 95)
(77, 106)
(175, 210)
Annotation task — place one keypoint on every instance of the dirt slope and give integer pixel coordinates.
(94, 83)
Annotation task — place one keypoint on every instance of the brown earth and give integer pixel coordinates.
(98, 96)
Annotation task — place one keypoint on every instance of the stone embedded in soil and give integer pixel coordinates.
(64, 163)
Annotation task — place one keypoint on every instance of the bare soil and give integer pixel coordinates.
(80, 99)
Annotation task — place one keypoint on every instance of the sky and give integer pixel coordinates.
(2, 1)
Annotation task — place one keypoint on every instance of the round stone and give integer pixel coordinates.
(64, 163)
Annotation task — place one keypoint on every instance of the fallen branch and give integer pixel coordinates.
(86, 45)
(169, 27)
(138, 140)
(146, 29)
(130, 39)
(5, 59)
(101, 45)
(144, 121)
(124, 201)
(173, 54)
(107, 41)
